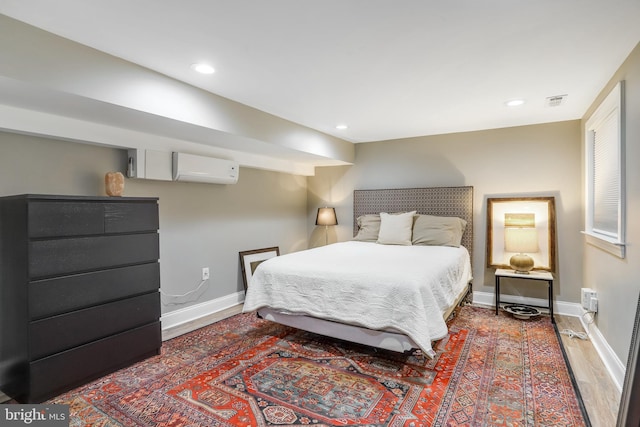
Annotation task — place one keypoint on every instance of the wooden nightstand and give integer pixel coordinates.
(543, 276)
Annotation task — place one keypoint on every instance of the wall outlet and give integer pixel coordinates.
(205, 273)
(587, 294)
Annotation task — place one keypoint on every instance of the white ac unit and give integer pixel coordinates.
(188, 167)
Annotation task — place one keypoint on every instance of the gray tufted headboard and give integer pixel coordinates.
(440, 201)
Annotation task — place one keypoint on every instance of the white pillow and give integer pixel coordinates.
(395, 229)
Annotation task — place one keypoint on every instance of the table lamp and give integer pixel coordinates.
(521, 237)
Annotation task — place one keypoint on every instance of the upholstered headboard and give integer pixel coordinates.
(440, 201)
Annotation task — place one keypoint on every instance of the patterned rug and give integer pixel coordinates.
(489, 371)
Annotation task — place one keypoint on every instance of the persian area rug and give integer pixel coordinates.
(489, 371)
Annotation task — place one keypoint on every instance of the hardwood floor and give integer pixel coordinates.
(599, 393)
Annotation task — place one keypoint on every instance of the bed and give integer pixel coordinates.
(374, 290)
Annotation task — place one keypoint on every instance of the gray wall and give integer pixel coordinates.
(538, 160)
(201, 225)
(616, 280)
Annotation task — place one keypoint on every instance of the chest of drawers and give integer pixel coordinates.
(79, 283)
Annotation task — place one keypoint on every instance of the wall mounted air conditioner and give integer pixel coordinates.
(188, 167)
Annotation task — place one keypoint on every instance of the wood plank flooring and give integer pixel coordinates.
(600, 396)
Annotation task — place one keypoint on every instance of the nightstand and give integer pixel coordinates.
(542, 276)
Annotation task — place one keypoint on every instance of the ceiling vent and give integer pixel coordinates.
(556, 100)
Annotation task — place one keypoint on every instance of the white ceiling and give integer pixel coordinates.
(388, 69)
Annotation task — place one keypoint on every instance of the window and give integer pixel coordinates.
(604, 148)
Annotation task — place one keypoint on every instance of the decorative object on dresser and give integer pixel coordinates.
(114, 183)
(80, 280)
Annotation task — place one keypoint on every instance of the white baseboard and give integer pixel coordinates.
(611, 362)
(488, 299)
(195, 312)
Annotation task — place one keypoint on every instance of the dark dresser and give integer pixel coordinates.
(79, 290)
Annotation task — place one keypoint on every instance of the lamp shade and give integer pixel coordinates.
(521, 240)
(326, 216)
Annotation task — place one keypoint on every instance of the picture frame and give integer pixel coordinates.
(249, 261)
(539, 209)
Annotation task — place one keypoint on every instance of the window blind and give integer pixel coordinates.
(606, 177)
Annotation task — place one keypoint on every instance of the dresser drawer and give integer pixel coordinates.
(130, 217)
(59, 295)
(50, 219)
(63, 371)
(67, 219)
(64, 256)
(58, 333)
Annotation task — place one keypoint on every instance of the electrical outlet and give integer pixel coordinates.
(205, 273)
(587, 294)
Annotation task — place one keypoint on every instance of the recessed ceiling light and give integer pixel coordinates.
(203, 68)
(514, 102)
(342, 127)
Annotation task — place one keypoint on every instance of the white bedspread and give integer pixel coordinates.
(384, 287)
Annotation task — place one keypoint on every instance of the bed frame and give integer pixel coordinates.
(440, 201)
